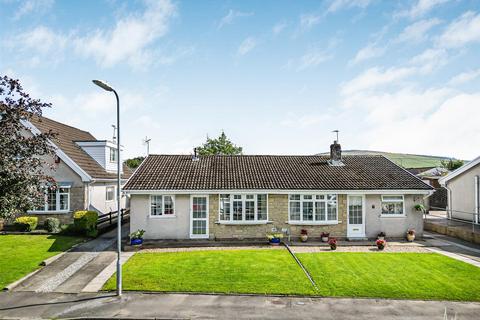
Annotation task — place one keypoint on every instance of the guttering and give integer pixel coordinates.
(274, 191)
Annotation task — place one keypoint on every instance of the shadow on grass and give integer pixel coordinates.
(62, 243)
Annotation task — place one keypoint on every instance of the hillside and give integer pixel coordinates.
(403, 159)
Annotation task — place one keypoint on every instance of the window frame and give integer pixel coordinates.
(113, 151)
(106, 193)
(313, 200)
(243, 200)
(392, 215)
(57, 201)
(162, 215)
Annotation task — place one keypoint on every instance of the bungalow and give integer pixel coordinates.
(84, 168)
(463, 187)
(247, 196)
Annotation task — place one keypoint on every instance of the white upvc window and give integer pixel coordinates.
(56, 200)
(312, 208)
(110, 193)
(393, 205)
(113, 154)
(162, 206)
(243, 208)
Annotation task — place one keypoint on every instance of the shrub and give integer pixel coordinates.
(26, 223)
(52, 225)
(86, 222)
(137, 234)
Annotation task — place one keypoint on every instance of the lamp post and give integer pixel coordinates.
(105, 86)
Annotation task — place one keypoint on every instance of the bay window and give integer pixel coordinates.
(314, 208)
(162, 206)
(243, 208)
(392, 205)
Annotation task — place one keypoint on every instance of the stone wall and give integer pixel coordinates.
(278, 218)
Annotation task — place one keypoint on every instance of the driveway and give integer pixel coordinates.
(75, 269)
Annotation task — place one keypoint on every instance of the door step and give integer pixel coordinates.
(357, 238)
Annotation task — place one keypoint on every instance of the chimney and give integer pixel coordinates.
(195, 157)
(335, 154)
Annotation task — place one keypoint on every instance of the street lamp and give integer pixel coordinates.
(105, 86)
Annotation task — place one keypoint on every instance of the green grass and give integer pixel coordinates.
(337, 274)
(22, 254)
(230, 271)
(393, 275)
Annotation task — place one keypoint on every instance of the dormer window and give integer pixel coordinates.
(113, 155)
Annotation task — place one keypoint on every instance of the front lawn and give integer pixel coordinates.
(22, 254)
(229, 271)
(339, 274)
(393, 275)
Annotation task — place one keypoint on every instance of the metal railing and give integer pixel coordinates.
(109, 219)
(450, 218)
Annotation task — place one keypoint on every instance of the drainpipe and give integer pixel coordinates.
(477, 200)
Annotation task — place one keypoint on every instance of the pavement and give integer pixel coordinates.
(28, 305)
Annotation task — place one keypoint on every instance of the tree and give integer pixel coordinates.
(219, 146)
(22, 156)
(451, 164)
(133, 163)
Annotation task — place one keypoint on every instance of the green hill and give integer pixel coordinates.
(402, 159)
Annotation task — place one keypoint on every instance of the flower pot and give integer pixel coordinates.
(274, 241)
(381, 247)
(324, 239)
(333, 247)
(304, 237)
(136, 242)
(410, 237)
(381, 238)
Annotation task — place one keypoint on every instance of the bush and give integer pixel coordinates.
(52, 225)
(85, 222)
(26, 223)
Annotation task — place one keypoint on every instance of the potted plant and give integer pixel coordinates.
(325, 236)
(136, 238)
(381, 236)
(420, 207)
(381, 244)
(333, 243)
(411, 235)
(274, 238)
(304, 235)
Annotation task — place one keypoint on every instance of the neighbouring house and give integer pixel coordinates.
(431, 175)
(463, 187)
(84, 169)
(247, 196)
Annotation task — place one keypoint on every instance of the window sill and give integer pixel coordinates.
(163, 217)
(236, 223)
(313, 223)
(393, 216)
(48, 212)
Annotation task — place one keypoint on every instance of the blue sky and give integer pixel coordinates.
(277, 76)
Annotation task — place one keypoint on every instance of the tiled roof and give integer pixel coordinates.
(179, 172)
(65, 140)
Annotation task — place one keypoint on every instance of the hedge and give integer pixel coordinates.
(85, 222)
(26, 223)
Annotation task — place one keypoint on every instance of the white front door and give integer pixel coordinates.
(199, 216)
(356, 216)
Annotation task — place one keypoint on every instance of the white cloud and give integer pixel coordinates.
(278, 28)
(370, 51)
(337, 5)
(246, 46)
(33, 6)
(464, 77)
(307, 21)
(420, 8)
(375, 77)
(131, 37)
(429, 60)
(462, 31)
(315, 55)
(231, 16)
(417, 31)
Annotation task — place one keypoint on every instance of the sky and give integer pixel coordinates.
(277, 76)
